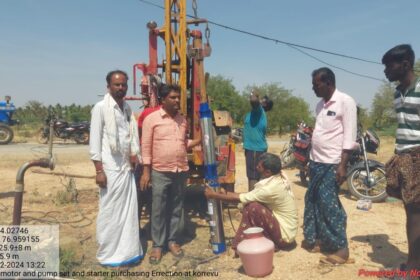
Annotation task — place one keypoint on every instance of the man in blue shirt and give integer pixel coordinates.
(255, 144)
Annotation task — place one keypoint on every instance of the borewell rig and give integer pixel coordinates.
(212, 163)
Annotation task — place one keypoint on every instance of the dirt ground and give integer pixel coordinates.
(376, 238)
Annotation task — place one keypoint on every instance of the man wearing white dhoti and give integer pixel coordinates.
(114, 147)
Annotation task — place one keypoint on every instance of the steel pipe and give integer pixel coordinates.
(20, 184)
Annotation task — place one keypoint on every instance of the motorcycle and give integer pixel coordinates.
(237, 135)
(365, 177)
(288, 155)
(78, 132)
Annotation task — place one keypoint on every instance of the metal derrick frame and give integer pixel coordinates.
(183, 65)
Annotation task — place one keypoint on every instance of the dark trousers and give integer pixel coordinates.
(167, 206)
(251, 160)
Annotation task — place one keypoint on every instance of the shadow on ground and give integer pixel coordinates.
(383, 252)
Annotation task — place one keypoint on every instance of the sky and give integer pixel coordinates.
(59, 51)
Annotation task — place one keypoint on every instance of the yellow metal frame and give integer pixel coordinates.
(175, 34)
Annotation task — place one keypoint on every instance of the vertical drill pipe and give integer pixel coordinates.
(214, 205)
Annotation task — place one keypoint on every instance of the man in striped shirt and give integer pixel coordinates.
(399, 63)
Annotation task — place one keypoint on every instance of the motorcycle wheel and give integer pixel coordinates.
(287, 158)
(358, 187)
(6, 134)
(82, 138)
(303, 175)
(42, 138)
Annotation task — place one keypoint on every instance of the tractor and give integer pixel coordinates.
(6, 121)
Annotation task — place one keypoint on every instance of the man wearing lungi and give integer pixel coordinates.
(114, 149)
(271, 205)
(403, 170)
(333, 140)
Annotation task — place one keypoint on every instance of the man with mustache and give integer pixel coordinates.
(165, 165)
(333, 139)
(114, 146)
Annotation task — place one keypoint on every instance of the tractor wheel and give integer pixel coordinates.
(6, 134)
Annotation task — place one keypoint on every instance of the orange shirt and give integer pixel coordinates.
(164, 142)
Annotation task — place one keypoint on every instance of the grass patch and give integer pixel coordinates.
(23, 132)
(387, 131)
(69, 195)
(67, 260)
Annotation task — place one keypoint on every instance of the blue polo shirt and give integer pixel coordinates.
(255, 128)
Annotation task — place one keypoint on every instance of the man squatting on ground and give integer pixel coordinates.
(270, 205)
(114, 149)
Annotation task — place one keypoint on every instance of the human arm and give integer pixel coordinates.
(100, 174)
(194, 142)
(145, 177)
(341, 172)
(146, 151)
(225, 196)
(349, 138)
(95, 145)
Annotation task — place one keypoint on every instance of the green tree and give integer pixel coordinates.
(417, 67)
(224, 96)
(288, 110)
(32, 112)
(383, 114)
(363, 117)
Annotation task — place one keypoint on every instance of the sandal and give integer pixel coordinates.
(155, 256)
(311, 248)
(335, 260)
(176, 250)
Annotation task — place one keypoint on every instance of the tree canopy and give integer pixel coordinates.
(288, 109)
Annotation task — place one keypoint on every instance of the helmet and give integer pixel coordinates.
(372, 141)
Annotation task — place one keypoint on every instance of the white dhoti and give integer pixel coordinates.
(117, 227)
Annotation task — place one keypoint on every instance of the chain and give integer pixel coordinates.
(194, 6)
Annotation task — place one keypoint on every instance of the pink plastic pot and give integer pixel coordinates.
(256, 253)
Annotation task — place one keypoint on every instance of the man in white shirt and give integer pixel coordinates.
(114, 144)
(270, 205)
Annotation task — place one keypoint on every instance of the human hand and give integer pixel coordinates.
(145, 181)
(101, 179)
(340, 174)
(209, 192)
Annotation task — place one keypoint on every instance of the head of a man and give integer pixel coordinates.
(117, 84)
(398, 61)
(268, 165)
(323, 83)
(267, 103)
(254, 100)
(170, 97)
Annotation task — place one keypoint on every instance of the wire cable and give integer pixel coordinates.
(294, 46)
